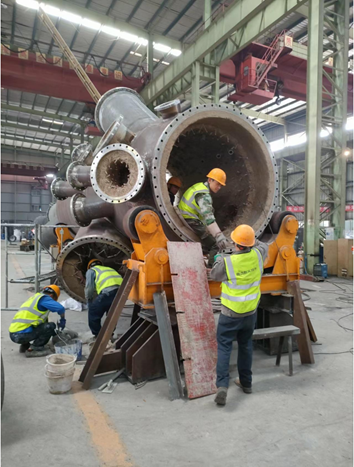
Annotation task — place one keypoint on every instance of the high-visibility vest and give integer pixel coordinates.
(242, 291)
(188, 206)
(106, 277)
(29, 314)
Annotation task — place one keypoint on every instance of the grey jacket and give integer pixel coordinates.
(218, 274)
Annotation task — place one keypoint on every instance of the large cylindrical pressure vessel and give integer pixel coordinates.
(99, 240)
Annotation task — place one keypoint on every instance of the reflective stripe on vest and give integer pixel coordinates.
(29, 314)
(188, 206)
(241, 293)
(106, 277)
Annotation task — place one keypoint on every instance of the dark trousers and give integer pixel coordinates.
(230, 329)
(97, 308)
(208, 241)
(40, 335)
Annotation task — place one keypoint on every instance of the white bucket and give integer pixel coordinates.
(59, 384)
(74, 347)
(59, 364)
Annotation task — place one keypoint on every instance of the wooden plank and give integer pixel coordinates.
(107, 329)
(195, 317)
(168, 346)
(268, 333)
(303, 340)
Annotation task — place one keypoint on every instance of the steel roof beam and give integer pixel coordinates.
(27, 151)
(32, 141)
(37, 129)
(110, 21)
(240, 25)
(40, 113)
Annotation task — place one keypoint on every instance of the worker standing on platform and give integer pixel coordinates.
(30, 327)
(102, 284)
(240, 275)
(173, 186)
(196, 207)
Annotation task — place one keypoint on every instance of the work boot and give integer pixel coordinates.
(24, 347)
(38, 352)
(221, 394)
(245, 390)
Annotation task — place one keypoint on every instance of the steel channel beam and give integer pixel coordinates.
(241, 24)
(313, 129)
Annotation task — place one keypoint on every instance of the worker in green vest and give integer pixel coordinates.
(196, 207)
(30, 327)
(102, 284)
(240, 275)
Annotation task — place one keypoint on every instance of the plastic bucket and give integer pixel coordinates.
(59, 364)
(74, 347)
(59, 384)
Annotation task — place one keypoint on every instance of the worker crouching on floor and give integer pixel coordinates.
(30, 327)
(240, 274)
(173, 186)
(102, 284)
(196, 207)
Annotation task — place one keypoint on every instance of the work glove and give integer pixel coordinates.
(62, 323)
(221, 241)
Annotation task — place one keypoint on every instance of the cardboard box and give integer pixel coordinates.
(330, 256)
(345, 257)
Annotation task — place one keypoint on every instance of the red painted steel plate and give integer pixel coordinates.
(195, 318)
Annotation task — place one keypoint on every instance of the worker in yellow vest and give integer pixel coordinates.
(173, 186)
(102, 284)
(240, 275)
(30, 327)
(196, 207)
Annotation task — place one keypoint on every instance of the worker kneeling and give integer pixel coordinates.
(240, 274)
(102, 284)
(30, 327)
(196, 207)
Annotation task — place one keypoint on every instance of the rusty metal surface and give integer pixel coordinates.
(147, 362)
(146, 333)
(195, 317)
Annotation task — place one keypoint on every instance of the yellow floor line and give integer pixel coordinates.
(107, 442)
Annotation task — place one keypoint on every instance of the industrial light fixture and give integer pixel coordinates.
(76, 19)
(111, 31)
(162, 48)
(91, 24)
(176, 52)
(347, 152)
(50, 10)
(50, 175)
(128, 37)
(28, 4)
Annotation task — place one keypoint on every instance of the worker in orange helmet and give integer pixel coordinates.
(196, 207)
(240, 274)
(30, 327)
(173, 186)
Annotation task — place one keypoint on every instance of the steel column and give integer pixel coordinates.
(195, 83)
(207, 13)
(340, 20)
(313, 128)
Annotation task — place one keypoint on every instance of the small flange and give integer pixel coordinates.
(52, 187)
(69, 177)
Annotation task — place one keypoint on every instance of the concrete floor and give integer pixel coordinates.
(304, 420)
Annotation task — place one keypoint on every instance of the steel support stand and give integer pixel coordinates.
(168, 346)
(313, 129)
(36, 274)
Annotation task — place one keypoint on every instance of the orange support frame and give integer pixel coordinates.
(150, 256)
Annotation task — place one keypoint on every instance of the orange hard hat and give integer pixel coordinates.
(218, 175)
(54, 288)
(93, 261)
(175, 181)
(244, 235)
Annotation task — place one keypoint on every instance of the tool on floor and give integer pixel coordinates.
(109, 386)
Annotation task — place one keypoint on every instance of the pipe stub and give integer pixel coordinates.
(81, 153)
(117, 173)
(76, 205)
(169, 109)
(71, 179)
(54, 187)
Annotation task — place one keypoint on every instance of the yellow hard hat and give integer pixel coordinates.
(244, 235)
(175, 181)
(218, 175)
(54, 288)
(93, 261)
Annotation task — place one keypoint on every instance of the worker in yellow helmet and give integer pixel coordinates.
(173, 186)
(30, 327)
(196, 207)
(240, 275)
(102, 284)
